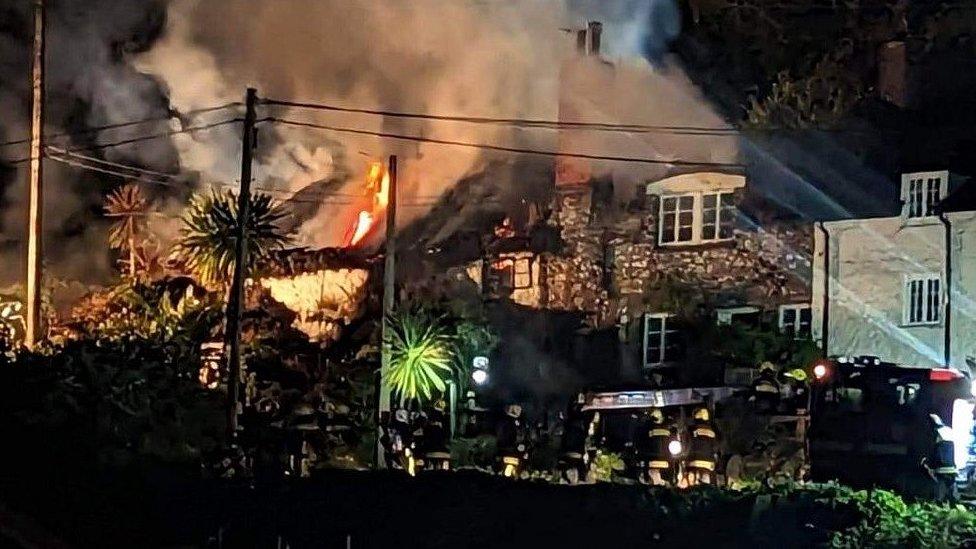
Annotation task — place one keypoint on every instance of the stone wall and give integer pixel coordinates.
(607, 265)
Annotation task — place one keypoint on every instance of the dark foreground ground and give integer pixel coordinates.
(159, 507)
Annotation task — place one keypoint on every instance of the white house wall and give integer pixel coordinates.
(963, 322)
(869, 260)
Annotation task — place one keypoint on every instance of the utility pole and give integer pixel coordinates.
(235, 303)
(36, 202)
(389, 297)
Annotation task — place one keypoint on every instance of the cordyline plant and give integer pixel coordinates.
(128, 233)
(208, 237)
(422, 356)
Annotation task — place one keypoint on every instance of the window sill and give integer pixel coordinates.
(699, 245)
(920, 324)
(660, 365)
(921, 221)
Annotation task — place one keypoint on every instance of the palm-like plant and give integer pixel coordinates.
(130, 209)
(208, 237)
(421, 356)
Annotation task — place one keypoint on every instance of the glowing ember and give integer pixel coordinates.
(377, 193)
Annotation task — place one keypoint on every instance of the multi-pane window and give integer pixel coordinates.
(677, 218)
(718, 214)
(662, 342)
(923, 300)
(523, 273)
(795, 320)
(696, 217)
(514, 274)
(923, 196)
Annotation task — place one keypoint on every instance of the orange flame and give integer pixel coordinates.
(363, 224)
(377, 192)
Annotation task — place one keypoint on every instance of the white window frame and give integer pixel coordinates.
(930, 313)
(527, 273)
(797, 308)
(725, 316)
(698, 221)
(662, 343)
(922, 193)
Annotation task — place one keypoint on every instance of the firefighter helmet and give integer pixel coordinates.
(767, 366)
(514, 410)
(657, 416)
(702, 414)
(440, 405)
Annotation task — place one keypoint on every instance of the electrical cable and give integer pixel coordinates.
(119, 125)
(500, 148)
(518, 122)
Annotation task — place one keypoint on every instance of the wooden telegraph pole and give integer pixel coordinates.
(235, 303)
(389, 296)
(36, 202)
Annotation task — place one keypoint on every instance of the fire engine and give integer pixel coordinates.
(876, 423)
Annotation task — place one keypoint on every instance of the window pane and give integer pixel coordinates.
(916, 301)
(667, 228)
(789, 317)
(709, 216)
(523, 273)
(687, 202)
(933, 300)
(684, 234)
(654, 327)
(727, 216)
(674, 348)
(669, 204)
(915, 198)
(806, 319)
(932, 195)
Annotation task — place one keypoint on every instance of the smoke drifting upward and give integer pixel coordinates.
(498, 59)
(113, 61)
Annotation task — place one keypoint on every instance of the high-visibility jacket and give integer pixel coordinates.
(657, 450)
(703, 446)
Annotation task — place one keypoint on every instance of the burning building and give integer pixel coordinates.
(326, 289)
(633, 250)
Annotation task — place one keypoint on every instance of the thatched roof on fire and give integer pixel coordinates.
(293, 261)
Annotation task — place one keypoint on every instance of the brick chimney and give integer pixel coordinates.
(588, 39)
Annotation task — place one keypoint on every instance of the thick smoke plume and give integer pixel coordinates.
(113, 61)
(500, 59)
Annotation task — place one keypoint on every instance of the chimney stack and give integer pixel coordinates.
(595, 29)
(588, 39)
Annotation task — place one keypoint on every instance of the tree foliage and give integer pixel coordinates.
(129, 232)
(422, 356)
(208, 238)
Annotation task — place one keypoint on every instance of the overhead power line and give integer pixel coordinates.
(97, 129)
(518, 122)
(65, 152)
(129, 176)
(500, 148)
(99, 146)
(190, 129)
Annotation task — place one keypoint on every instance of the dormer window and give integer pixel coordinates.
(923, 194)
(696, 218)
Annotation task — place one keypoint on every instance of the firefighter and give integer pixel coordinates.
(436, 453)
(765, 388)
(572, 458)
(658, 457)
(511, 445)
(702, 448)
(941, 463)
(398, 449)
